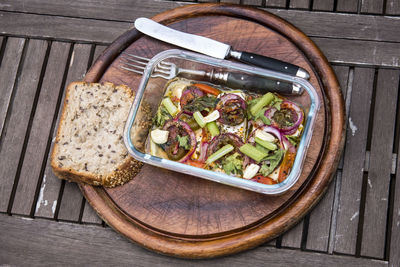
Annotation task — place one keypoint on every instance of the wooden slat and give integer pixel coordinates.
(360, 52)
(292, 238)
(72, 197)
(14, 132)
(319, 223)
(320, 220)
(300, 4)
(352, 177)
(350, 26)
(393, 7)
(372, 6)
(61, 28)
(342, 74)
(8, 71)
(324, 5)
(252, 2)
(376, 203)
(356, 52)
(74, 244)
(123, 10)
(208, 1)
(230, 1)
(347, 6)
(41, 126)
(275, 3)
(89, 215)
(50, 187)
(394, 255)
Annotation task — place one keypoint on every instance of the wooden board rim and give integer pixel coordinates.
(260, 233)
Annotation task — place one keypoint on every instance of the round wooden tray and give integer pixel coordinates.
(184, 216)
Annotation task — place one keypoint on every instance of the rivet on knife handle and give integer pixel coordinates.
(270, 63)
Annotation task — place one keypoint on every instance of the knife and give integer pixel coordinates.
(214, 48)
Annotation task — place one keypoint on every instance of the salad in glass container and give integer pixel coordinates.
(236, 132)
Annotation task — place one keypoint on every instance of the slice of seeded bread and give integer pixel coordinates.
(89, 145)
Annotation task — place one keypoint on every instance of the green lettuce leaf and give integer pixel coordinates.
(184, 141)
(233, 164)
(272, 161)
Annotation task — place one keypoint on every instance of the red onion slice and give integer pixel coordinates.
(229, 97)
(192, 136)
(286, 104)
(287, 145)
(203, 152)
(271, 130)
(195, 93)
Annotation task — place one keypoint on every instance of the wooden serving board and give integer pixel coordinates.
(185, 216)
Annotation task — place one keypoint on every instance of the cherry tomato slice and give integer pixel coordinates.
(207, 89)
(263, 180)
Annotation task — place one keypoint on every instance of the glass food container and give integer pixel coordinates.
(151, 92)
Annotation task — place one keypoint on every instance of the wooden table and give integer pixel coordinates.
(46, 44)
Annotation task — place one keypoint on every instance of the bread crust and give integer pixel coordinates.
(124, 171)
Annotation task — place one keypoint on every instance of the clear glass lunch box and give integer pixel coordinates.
(151, 92)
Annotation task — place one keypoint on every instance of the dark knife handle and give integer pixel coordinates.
(271, 64)
(260, 85)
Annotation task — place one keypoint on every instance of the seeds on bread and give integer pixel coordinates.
(89, 145)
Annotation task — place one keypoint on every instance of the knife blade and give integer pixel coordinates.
(214, 48)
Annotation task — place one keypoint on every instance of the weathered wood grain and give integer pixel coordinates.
(348, 26)
(51, 184)
(15, 130)
(300, 4)
(352, 177)
(342, 73)
(394, 255)
(40, 131)
(314, 24)
(275, 3)
(208, 1)
(292, 238)
(376, 202)
(230, 1)
(360, 52)
(319, 223)
(347, 6)
(71, 201)
(392, 7)
(61, 28)
(89, 215)
(79, 245)
(8, 71)
(372, 6)
(123, 10)
(323, 5)
(252, 2)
